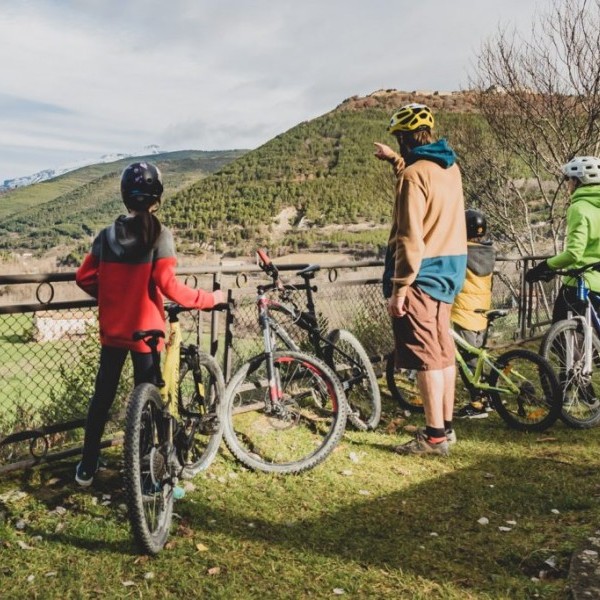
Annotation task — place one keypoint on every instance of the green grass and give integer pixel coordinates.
(366, 521)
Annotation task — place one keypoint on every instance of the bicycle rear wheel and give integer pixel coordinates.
(300, 430)
(402, 384)
(201, 390)
(525, 391)
(148, 482)
(563, 347)
(351, 363)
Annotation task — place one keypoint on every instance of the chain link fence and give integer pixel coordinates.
(49, 341)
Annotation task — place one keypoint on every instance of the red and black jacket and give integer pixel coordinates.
(129, 284)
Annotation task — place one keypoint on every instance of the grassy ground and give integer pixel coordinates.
(367, 523)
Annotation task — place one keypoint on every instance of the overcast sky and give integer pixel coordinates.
(83, 78)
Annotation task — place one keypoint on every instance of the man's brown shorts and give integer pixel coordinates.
(422, 335)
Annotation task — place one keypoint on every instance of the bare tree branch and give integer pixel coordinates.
(540, 98)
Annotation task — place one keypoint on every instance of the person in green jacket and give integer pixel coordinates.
(583, 237)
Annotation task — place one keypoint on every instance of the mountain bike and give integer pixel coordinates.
(285, 410)
(572, 346)
(339, 348)
(519, 384)
(172, 431)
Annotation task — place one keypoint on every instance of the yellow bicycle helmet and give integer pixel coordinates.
(412, 117)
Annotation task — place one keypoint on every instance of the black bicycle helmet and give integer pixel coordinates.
(141, 185)
(476, 223)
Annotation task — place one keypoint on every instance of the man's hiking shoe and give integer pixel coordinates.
(421, 446)
(471, 412)
(83, 478)
(450, 436)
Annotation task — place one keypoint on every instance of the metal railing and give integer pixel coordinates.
(49, 341)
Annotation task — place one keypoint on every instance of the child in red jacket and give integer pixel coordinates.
(130, 267)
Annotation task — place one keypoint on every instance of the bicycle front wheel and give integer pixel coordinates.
(351, 363)
(525, 391)
(402, 384)
(563, 347)
(148, 482)
(295, 432)
(201, 390)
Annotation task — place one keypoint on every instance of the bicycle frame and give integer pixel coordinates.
(590, 323)
(267, 325)
(589, 320)
(170, 371)
(272, 329)
(474, 378)
(305, 320)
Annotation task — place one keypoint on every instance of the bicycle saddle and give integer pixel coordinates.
(492, 315)
(309, 272)
(148, 333)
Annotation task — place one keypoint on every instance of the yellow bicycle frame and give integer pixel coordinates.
(170, 371)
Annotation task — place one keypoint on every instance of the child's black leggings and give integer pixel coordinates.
(107, 381)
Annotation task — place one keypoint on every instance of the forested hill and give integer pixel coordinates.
(65, 211)
(314, 186)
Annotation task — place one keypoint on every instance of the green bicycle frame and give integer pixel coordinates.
(483, 359)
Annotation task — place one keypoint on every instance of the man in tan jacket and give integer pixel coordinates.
(428, 243)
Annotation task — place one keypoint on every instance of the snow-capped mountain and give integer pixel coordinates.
(11, 184)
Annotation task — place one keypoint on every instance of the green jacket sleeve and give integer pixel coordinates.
(578, 231)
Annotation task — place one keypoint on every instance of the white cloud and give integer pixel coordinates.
(82, 78)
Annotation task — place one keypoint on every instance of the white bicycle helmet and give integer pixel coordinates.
(585, 168)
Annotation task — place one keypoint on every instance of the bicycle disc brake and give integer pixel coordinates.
(284, 415)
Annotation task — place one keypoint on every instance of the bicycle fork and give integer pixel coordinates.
(275, 395)
(588, 336)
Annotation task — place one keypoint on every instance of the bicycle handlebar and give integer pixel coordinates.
(579, 271)
(173, 309)
(267, 265)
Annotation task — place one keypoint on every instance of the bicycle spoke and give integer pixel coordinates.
(564, 347)
(525, 390)
(148, 477)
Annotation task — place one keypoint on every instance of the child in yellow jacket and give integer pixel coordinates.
(476, 295)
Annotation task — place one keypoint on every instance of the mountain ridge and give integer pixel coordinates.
(46, 174)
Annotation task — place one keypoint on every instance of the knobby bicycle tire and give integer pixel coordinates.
(147, 476)
(580, 393)
(358, 378)
(535, 404)
(201, 392)
(301, 431)
(402, 384)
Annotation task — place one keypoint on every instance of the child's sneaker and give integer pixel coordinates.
(421, 445)
(472, 411)
(83, 478)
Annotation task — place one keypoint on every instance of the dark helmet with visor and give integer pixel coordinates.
(141, 185)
